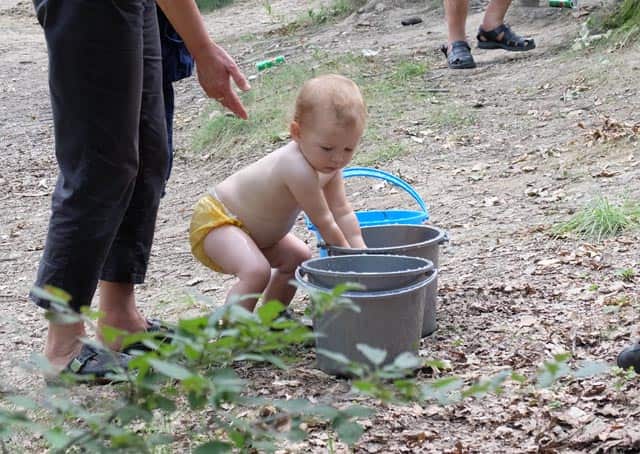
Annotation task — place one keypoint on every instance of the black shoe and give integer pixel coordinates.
(460, 55)
(94, 366)
(630, 357)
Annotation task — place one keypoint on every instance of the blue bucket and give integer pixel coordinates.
(381, 217)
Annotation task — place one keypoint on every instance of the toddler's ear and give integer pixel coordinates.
(294, 130)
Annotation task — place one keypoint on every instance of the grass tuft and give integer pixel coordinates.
(270, 104)
(601, 219)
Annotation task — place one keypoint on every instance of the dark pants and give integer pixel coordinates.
(169, 107)
(105, 77)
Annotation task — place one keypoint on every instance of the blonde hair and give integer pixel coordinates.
(333, 93)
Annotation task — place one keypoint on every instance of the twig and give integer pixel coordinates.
(436, 90)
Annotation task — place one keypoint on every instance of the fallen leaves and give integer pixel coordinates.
(611, 130)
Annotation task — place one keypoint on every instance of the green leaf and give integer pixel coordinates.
(338, 357)
(24, 402)
(58, 318)
(132, 412)
(407, 360)
(270, 311)
(437, 364)
(165, 404)
(446, 382)
(299, 406)
(276, 361)
(358, 411)
(364, 386)
(238, 438)
(169, 369)
(296, 435)
(53, 294)
(518, 377)
(324, 411)
(160, 439)
(375, 355)
(110, 334)
(56, 437)
(348, 431)
(213, 447)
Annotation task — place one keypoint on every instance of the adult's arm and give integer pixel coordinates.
(214, 66)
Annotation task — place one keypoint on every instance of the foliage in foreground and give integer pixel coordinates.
(195, 374)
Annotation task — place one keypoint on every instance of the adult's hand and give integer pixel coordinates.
(215, 67)
(215, 70)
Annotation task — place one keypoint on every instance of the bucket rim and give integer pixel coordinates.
(377, 250)
(379, 294)
(426, 266)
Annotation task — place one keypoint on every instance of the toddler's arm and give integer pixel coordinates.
(346, 219)
(306, 189)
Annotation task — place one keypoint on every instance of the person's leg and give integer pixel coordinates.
(495, 13)
(285, 257)
(235, 252)
(495, 34)
(457, 50)
(95, 59)
(128, 257)
(456, 15)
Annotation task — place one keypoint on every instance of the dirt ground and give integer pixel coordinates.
(510, 295)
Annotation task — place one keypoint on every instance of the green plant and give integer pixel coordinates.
(625, 16)
(381, 153)
(601, 219)
(194, 376)
(626, 274)
(408, 70)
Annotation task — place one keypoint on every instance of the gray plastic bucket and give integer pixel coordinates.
(374, 272)
(412, 240)
(398, 239)
(388, 320)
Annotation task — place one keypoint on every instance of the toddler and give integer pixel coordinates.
(242, 225)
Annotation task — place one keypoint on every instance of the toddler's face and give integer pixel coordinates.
(328, 146)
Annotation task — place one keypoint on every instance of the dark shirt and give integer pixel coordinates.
(177, 62)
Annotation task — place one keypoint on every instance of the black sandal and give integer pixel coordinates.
(502, 37)
(630, 357)
(460, 56)
(161, 331)
(93, 366)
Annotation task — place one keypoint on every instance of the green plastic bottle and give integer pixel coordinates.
(264, 64)
(563, 3)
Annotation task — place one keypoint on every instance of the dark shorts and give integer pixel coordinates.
(105, 77)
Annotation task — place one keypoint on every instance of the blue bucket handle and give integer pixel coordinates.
(386, 176)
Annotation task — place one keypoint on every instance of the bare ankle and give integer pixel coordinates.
(63, 343)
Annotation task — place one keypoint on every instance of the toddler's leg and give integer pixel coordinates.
(236, 253)
(285, 258)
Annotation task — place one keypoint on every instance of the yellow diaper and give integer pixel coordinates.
(208, 214)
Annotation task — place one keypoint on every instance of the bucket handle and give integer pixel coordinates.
(386, 176)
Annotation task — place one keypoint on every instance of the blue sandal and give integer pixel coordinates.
(460, 56)
(502, 37)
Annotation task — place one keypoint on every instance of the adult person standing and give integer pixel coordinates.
(492, 34)
(105, 79)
